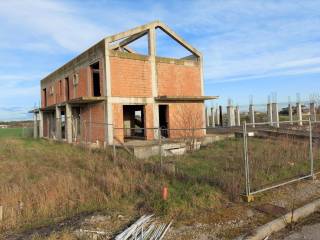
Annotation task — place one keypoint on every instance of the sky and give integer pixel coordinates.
(251, 48)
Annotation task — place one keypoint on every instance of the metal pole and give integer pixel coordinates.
(113, 144)
(160, 150)
(311, 148)
(246, 162)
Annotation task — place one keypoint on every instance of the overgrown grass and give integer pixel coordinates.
(41, 181)
(10, 132)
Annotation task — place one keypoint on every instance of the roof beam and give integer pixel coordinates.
(131, 32)
(129, 40)
(179, 39)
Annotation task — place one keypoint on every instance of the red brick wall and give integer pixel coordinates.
(148, 116)
(178, 80)
(117, 114)
(186, 116)
(130, 77)
(94, 129)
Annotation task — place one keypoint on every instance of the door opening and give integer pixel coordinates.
(95, 79)
(163, 120)
(133, 121)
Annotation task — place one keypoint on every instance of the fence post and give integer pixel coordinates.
(113, 144)
(160, 148)
(248, 197)
(311, 149)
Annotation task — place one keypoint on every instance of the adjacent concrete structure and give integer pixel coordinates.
(299, 113)
(252, 115)
(109, 87)
(275, 115)
(230, 116)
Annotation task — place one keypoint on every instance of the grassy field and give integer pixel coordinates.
(43, 181)
(15, 132)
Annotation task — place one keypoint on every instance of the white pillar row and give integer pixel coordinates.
(35, 125)
(290, 113)
(217, 115)
(230, 115)
(269, 113)
(299, 113)
(69, 123)
(252, 115)
(237, 116)
(313, 112)
(212, 122)
(275, 114)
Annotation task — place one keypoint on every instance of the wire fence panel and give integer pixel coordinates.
(278, 156)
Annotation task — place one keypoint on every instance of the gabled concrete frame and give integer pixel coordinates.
(108, 43)
(129, 37)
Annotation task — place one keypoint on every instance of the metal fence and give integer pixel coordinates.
(280, 156)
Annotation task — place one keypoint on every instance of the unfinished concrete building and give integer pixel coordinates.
(110, 92)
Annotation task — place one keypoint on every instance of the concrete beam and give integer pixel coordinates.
(129, 40)
(69, 123)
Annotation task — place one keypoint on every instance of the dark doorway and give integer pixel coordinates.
(95, 79)
(163, 120)
(44, 92)
(133, 121)
(67, 89)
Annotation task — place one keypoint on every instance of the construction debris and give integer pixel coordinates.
(145, 228)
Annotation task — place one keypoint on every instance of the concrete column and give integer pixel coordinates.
(299, 114)
(108, 129)
(217, 115)
(313, 112)
(58, 123)
(290, 114)
(252, 115)
(40, 124)
(269, 113)
(275, 114)
(69, 123)
(213, 124)
(237, 116)
(35, 125)
(230, 115)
